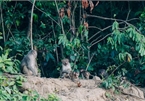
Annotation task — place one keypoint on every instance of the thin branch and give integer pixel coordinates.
(45, 13)
(31, 21)
(2, 22)
(111, 26)
(132, 19)
(134, 27)
(128, 15)
(80, 13)
(113, 19)
(128, 12)
(77, 57)
(95, 39)
(105, 18)
(99, 40)
(62, 28)
(46, 35)
(11, 25)
(13, 36)
(117, 68)
(90, 61)
(95, 27)
(100, 32)
(73, 15)
(60, 18)
(57, 59)
(120, 66)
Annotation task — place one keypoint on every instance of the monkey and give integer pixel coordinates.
(66, 69)
(74, 76)
(85, 74)
(102, 73)
(29, 65)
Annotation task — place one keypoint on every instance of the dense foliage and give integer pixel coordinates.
(93, 35)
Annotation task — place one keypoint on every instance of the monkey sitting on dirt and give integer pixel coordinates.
(29, 65)
(66, 68)
(66, 71)
(74, 76)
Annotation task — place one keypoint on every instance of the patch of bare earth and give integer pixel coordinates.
(89, 90)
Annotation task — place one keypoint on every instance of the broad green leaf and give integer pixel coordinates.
(8, 90)
(11, 83)
(9, 68)
(1, 65)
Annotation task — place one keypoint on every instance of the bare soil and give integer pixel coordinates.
(84, 90)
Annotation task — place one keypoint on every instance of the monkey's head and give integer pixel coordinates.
(76, 74)
(65, 62)
(102, 73)
(33, 52)
(83, 71)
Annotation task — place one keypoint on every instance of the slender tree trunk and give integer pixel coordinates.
(31, 21)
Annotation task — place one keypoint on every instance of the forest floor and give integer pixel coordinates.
(86, 90)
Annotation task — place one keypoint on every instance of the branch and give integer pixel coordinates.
(62, 28)
(2, 22)
(120, 66)
(105, 18)
(56, 51)
(117, 68)
(90, 61)
(31, 21)
(99, 40)
(96, 39)
(13, 37)
(46, 35)
(95, 27)
(60, 18)
(45, 13)
(73, 15)
(99, 32)
(111, 26)
(128, 15)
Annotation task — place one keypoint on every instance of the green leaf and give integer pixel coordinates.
(1, 37)
(86, 34)
(72, 57)
(42, 25)
(19, 83)
(9, 69)
(11, 83)
(115, 25)
(63, 40)
(80, 29)
(8, 90)
(17, 22)
(9, 63)
(99, 46)
(76, 42)
(1, 65)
